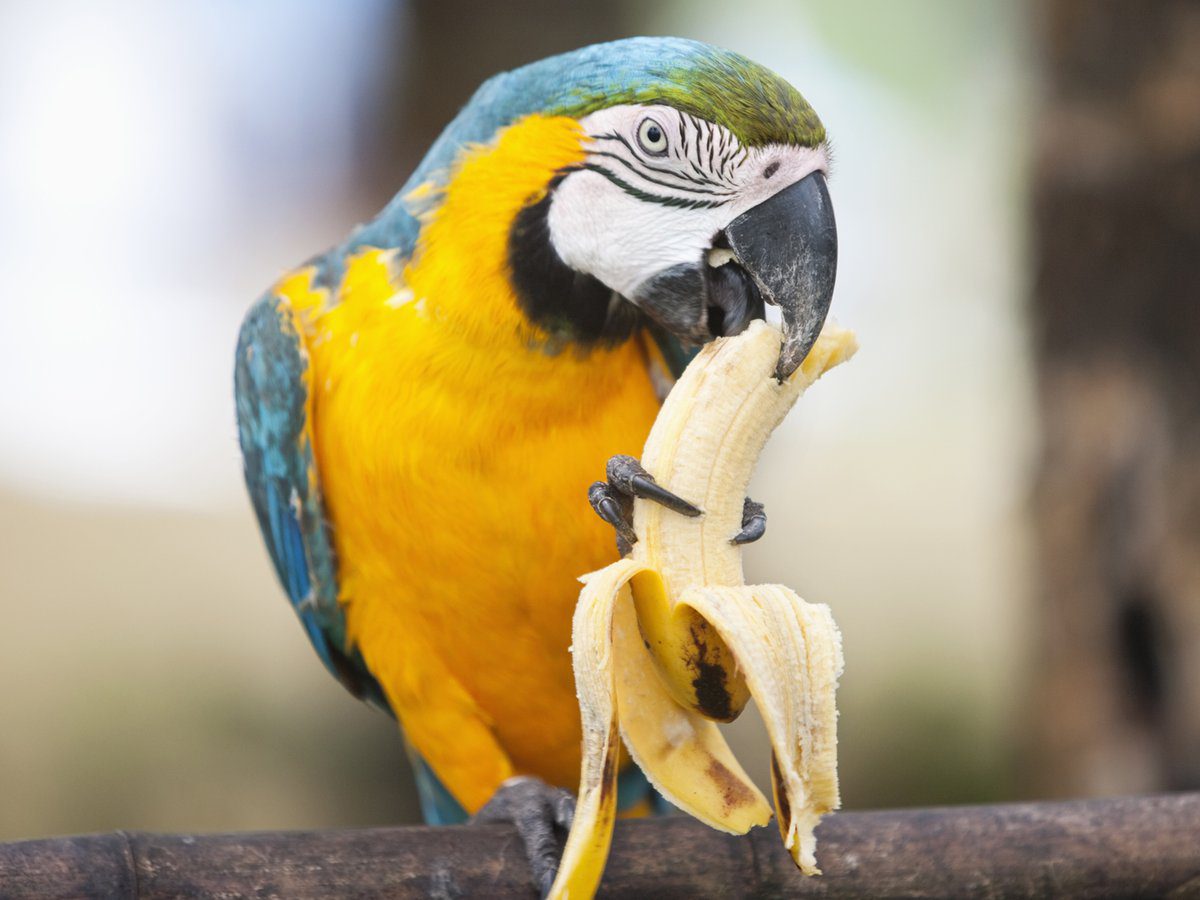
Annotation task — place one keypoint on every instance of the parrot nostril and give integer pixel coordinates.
(771, 169)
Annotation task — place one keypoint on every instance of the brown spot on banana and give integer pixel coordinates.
(608, 775)
(734, 793)
(714, 681)
(783, 809)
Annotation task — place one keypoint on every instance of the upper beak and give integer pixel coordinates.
(788, 246)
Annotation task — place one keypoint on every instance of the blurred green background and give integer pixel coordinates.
(160, 164)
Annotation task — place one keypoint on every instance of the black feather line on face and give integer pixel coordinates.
(628, 188)
(637, 170)
(642, 164)
(641, 161)
(695, 145)
(573, 308)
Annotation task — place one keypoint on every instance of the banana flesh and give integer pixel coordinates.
(670, 640)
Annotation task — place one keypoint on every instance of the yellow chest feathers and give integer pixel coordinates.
(455, 454)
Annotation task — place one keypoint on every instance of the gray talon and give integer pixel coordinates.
(754, 522)
(627, 475)
(608, 506)
(613, 500)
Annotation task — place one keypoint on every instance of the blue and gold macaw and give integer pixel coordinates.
(423, 408)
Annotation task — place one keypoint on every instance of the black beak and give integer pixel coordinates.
(784, 251)
(788, 246)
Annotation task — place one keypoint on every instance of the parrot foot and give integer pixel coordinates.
(613, 499)
(613, 502)
(542, 815)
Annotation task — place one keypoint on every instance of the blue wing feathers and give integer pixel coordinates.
(270, 389)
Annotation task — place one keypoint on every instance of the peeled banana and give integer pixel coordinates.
(670, 640)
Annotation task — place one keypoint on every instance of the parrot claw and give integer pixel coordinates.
(609, 507)
(613, 502)
(542, 815)
(613, 499)
(627, 476)
(754, 522)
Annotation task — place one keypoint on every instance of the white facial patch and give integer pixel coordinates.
(656, 188)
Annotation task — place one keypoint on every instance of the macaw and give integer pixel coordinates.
(423, 409)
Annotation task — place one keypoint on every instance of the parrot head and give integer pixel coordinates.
(697, 196)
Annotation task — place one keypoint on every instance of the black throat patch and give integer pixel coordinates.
(572, 307)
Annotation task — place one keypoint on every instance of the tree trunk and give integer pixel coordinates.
(1116, 317)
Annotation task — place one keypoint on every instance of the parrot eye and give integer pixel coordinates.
(652, 138)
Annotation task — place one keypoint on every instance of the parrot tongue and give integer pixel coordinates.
(734, 300)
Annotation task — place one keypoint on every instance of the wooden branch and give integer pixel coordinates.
(1142, 846)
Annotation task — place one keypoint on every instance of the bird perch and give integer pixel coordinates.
(1137, 846)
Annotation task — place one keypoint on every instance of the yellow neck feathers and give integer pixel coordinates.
(454, 298)
(462, 257)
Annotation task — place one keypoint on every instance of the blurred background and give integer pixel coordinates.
(1000, 497)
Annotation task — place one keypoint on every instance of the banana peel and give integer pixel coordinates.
(670, 640)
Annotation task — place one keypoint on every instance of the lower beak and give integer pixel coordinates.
(788, 246)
